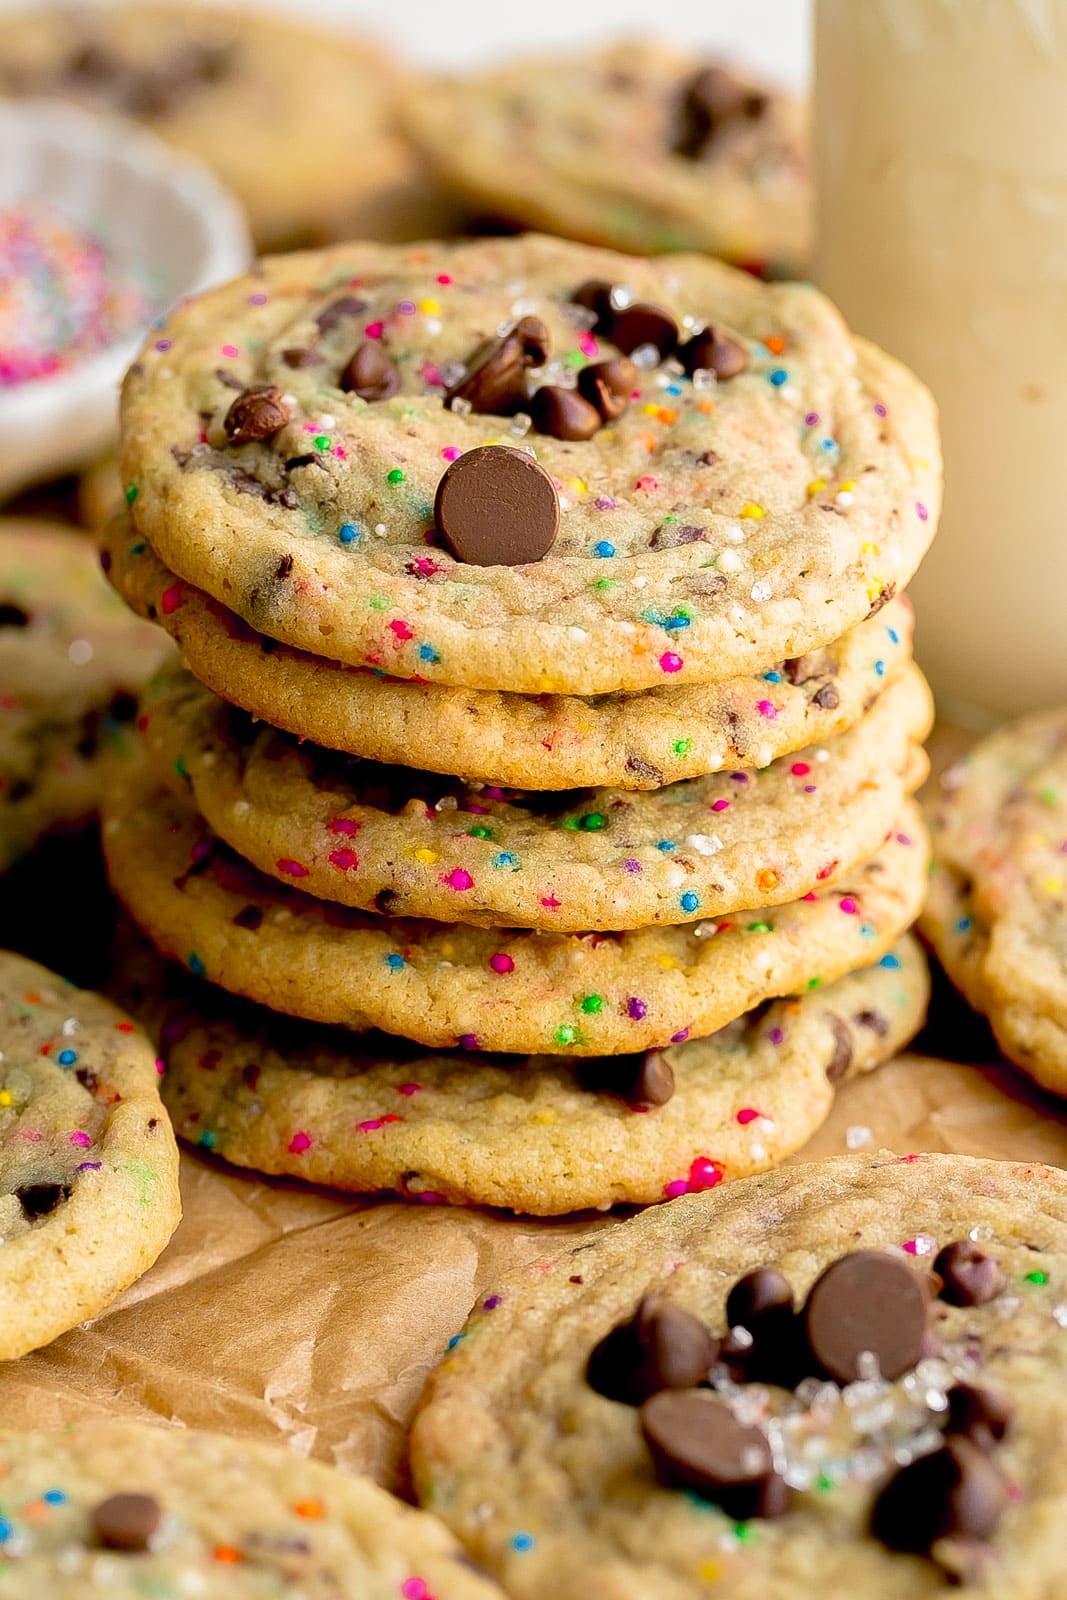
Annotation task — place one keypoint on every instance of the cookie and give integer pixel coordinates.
(243, 92)
(634, 145)
(531, 1134)
(413, 844)
(669, 529)
(446, 983)
(885, 1417)
(632, 741)
(996, 912)
(99, 494)
(72, 660)
(129, 1509)
(88, 1163)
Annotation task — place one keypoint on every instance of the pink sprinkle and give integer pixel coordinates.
(800, 769)
(469, 1041)
(374, 330)
(415, 1588)
(921, 511)
(408, 1088)
(369, 1126)
(588, 345)
(458, 878)
(673, 1190)
(776, 1036)
(848, 906)
(430, 373)
(82, 1140)
(343, 859)
(344, 825)
(500, 962)
(646, 481)
(170, 599)
(451, 452)
(704, 1174)
(402, 629)
(163, 344)
(230, 350)
(636, 1009)
(902, 838)
(338, 452)
(669, 662)
(719, 805)
(631, 865)
(811, 419)
(299, 1143)
(923, 1244)
(160, 1065)
(444, 277)
(680, 1037)
(292, 869)
(258, 299)
(766, 709)
(604, 502)
(746, 1115)
(425, 566)
(550, 902)
(880, 410)
(406, 308)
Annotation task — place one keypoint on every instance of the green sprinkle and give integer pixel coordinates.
(683, 747)
(814, 983)
(574, 359)
(823, 1482)
(180, 767)
(1037, 1277)
(1048, 797)
(378, 602)
(743, 1532)
(480, 833)
(761, 927)
(670, 518)
(593, 822)
(396, 476)
(566, 1035)
(592, 1004)
(606, 583)
(132, 491)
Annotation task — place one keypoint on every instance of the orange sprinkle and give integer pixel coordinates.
(309, 1508)
(36, 1510)
(648, 441)
(32, 999)
(767, 878)
(227, 1554)
(775, 344)
(706, 406)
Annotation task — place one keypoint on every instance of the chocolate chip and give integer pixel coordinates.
(644, 769)
(641, 324)
(712, 351)
(697, 1443)
(654, 1084)
(764, 1292)
(956, 1491)
(841, 1059)
(595, 295)
(563, 413)
(497, 507)
(969, 1277)
(979, 1414)
(761, 1304)
(13, 616)
(660, 1347)
(331, 316)
(711, 100)
(608, 385)
(826, 698)
(868, 1301)
(873, 1020)
(257, 413)
(496, 382)
(126, 1521)
(250, 917)
(670, 535)
(38, 1199)
(816, 664)
(882, 598)
(372, 373)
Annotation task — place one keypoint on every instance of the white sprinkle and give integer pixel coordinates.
(579, 635)
(524, 308)
(520, 424)
(705, 844)
(640, 581)
(982, 1230)
(622, 296)
(730, 561)
(857, 1136)
(737, 614)
(924, 1244)
(845, 498)
(1059, 1314)
(241, 808)
(646, 357)
(80, 651)
(733, 533)
(705, 930)
(328, 421)
(432, 326)
(758, 1152)
(447, 802)
(762, 590)
(70, 1027)
(675, 877)
(379, 528)
(460, 407)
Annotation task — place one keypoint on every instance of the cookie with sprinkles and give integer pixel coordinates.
(88, 1163)
(329, 447)
(242, 92)
(847, 1374)
(541, 1135)
(130, 1509)
(631, 741)
(636, 145)
(72, 661)
(997, 909)
(445, 984)
(386, 838)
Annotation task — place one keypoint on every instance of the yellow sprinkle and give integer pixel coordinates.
(753, 511)
(1054, 885)
(709, 1572)
(650, 409)
(869, 550)
(814, 486)
(843, 488)
(874, 588)
(447, 952)
(668, 963)
(543, 1117)
(430, 307)
(5, 1097)
(578, 485)
(424, 854)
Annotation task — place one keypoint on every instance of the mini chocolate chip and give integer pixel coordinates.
(883, 597)
(13, 616)
(257, 413)
(595, 295)
(87, 1078)
(250, 917)
(331, 316)
(660, 1347)
(671, 535)
(979, 1414)
(229, 380)
(654, 1082)
(697, 1443)
(868, 1301)
(826, 698)
(644, 769)
(563, 413)
(873, 1020)
(309, 459)
(641, 324)
(841, 1059)
(372, 374)
(761, 1303)
(38, 1199)
(126, 1521)
(712, 351)
(608, 385)
(764, 1292)
(496, 382)
(284, 567)
(300, 356)
(956, 1491)
(710, 100)
(969, 1277)
(497, 507)
(707, 459)
(816, 664)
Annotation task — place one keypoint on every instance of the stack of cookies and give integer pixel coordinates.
(546, 744)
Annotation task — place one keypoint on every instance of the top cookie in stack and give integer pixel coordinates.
(539, 518)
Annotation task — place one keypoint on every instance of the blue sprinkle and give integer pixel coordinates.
(894, 635)
(674, 623)
(506, 858)
(866, 931)
(208, 1140)
(964, 925)
(522, 1541)
(428, 653)
(690, 901)
(772, 677)
(879, 667)
(196, 966)
(67, 1058)
(673, 388)
(348, 533)
(666, 844)
(603, 548)
(395, 962)
(890, 962)
(6, 1530)
(829, 445)
(778, 377)
(54, 1497)
(456, 1337)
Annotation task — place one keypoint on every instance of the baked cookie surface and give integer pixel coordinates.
(899, 1474)
(692, 528)
(88, 1163)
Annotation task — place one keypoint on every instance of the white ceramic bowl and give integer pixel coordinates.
(163, 218)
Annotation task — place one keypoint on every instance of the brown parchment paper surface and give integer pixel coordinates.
(287, 1313)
